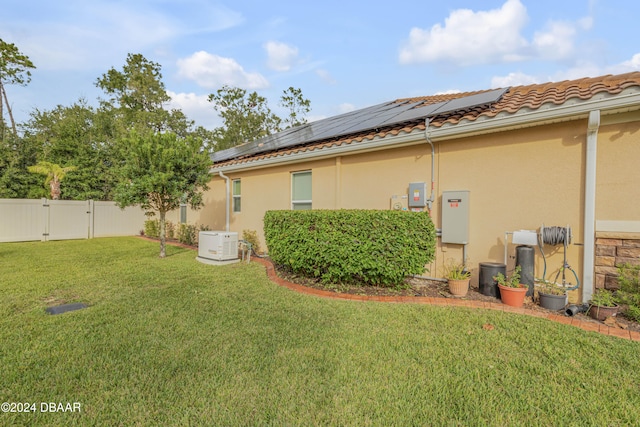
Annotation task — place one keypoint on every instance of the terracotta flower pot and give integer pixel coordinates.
(459, 288)
(513, 296)
(600, 312)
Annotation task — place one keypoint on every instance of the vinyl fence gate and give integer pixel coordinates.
(24, 220)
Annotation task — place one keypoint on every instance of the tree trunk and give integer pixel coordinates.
(55, 189)
(6, 101)
(163, 238)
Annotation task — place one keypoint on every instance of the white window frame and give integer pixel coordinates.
(183, 213)
(236, 197)
(300, 202)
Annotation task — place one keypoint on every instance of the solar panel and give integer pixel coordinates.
(471, 101)
(369, 118)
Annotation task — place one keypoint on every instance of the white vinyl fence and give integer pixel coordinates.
(24, 220)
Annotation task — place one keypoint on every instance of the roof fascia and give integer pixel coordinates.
(543, 115)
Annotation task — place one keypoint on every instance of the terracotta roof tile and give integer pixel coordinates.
(516, 98)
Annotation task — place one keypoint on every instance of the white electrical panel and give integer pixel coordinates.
(455, 217)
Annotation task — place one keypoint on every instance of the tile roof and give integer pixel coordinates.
(530, 97)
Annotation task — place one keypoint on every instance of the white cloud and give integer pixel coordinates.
(514, 79)
(627, 66)
(80, 35)
(448, 92)
(195, 107)
(556, 42)
(212, 71)
(325, 76)
(280, 56)
(589, 69)
(346, 108)
(469, 37)
(580, 70)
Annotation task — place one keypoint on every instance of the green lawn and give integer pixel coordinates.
(176, 342)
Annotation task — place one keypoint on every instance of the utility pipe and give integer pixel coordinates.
(433, 156)
(590, 206)
(228, 197)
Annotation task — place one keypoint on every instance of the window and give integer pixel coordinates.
(301, 191)
(183, 213)
(237, 202)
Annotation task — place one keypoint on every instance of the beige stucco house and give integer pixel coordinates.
(559, 154)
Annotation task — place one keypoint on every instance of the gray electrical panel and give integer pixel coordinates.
(417, 194)
(455, 217)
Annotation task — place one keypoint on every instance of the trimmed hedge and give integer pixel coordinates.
(351, 246)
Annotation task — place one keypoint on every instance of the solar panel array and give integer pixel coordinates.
(370, 118)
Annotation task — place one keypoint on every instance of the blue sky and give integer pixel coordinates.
(344, 55)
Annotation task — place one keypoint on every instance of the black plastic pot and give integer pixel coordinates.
(487, 285)
(552, 302)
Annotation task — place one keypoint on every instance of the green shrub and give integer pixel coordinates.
(251, 236)
(629, 292)
(187, 234)
(351, 246)
(169, 230)
(152, 228)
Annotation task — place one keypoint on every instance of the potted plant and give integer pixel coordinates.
(552, 296)
(512, 292)
(603, 305)
(458, 279)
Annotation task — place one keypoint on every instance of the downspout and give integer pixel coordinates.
(227, 197)
(590, 206)
(433, 156)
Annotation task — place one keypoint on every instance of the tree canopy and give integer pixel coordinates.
(54, 175)
(247, 116)
(15, 69)
(161, 171)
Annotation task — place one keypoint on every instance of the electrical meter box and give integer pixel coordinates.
(417, 194)
(455, 217)
(399, 203)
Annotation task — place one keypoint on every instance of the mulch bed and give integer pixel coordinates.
(432, 288)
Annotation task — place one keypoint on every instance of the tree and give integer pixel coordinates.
(138, 96)
(14, 69)
(246, 117)
(161, 171)
(81, 136)
(54, 173)
(297, 105)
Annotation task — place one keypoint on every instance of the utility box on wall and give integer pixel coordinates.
(417, 194)
(455, 217)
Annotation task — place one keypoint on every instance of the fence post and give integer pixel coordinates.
(91, 217)
(45, 220)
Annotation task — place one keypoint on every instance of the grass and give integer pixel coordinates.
(176, 342)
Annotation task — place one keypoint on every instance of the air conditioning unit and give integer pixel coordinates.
(218, 245)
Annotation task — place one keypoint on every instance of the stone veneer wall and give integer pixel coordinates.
(613, 249)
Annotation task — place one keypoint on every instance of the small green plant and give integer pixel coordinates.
(603, 298)
(152, 228)
(550, 288)
(629, 292)
(251, 236)
(456, 271)
(170, 230)
(187, 234)
(511, 282)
